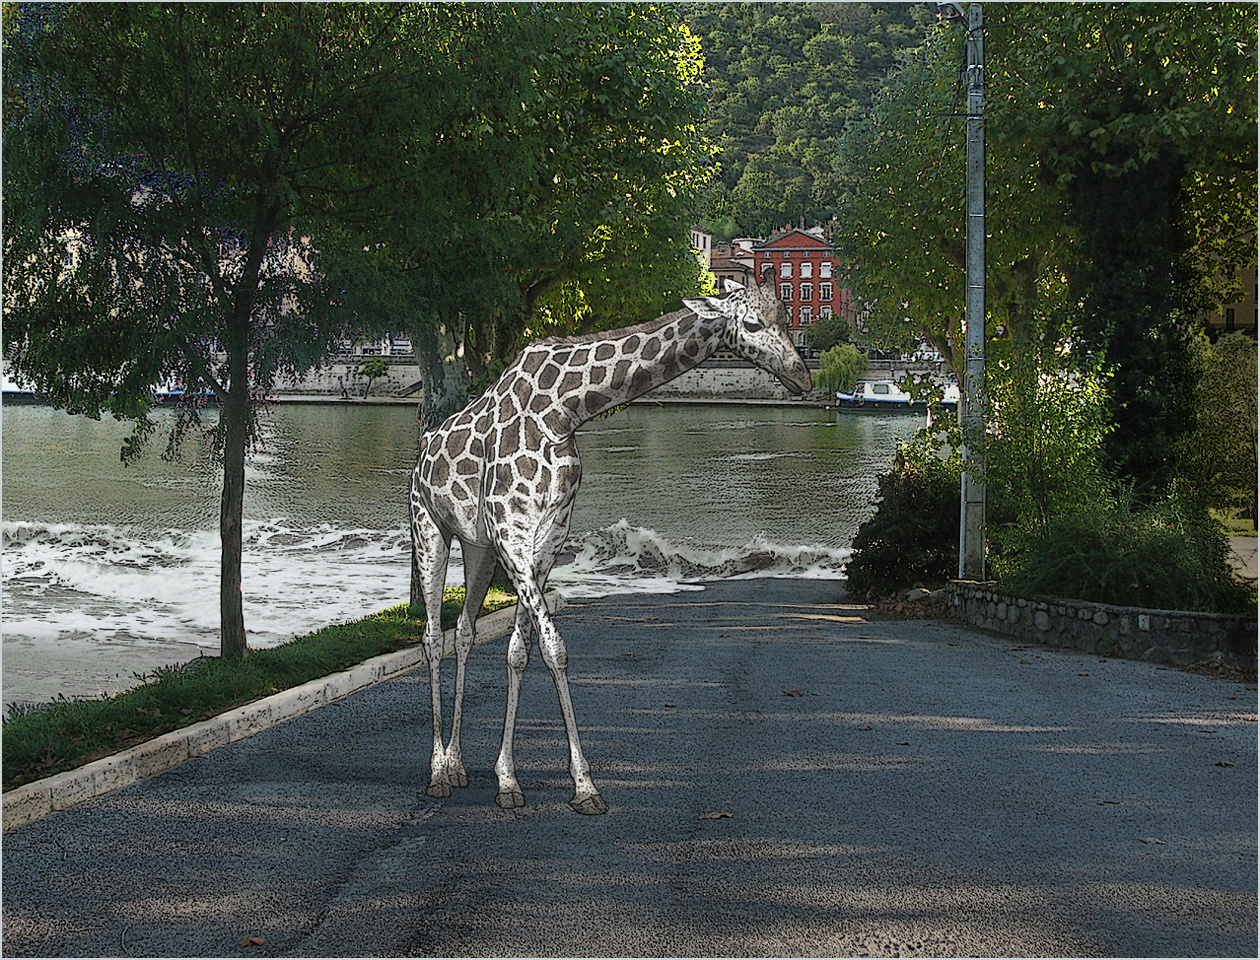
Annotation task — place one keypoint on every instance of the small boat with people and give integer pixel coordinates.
(883, 396)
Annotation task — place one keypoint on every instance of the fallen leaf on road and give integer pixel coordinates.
(793, 693)
(1083, 673)
(1016, 648)
(903, 743)
(251, 942)
(716, 815)
(1154, 840)
(866, 728)
(1223, 763)
(671, 704)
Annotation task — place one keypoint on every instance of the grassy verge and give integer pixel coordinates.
(41, 741)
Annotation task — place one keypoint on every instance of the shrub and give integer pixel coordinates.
(841, 367)
(913, 535)
(1171, 556)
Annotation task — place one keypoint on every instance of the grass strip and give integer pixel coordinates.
(40, 741)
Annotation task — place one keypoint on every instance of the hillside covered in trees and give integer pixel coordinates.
(783, 80)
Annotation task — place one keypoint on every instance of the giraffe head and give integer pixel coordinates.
(756, 329)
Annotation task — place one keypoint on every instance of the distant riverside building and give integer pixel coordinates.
(1241, 314)
(733, 261)
(809, 275)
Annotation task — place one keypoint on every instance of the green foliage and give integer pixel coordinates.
(371, 368)
(597, 167)
(1144, 117)
(841, 368)
(1217, 459)
(913, 535)
(68, 733)
(1045, 456)
(784, 79)
(827, 332)
(1169, 556)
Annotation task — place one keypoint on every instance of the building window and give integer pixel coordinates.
(807, 316)
(785, 292)
(825, 269)
(824, 291)
(824, 313)
(807, 291)
(785, 270)
(807, 269)
(1229, 318)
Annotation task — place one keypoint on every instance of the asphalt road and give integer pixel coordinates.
(893, 788)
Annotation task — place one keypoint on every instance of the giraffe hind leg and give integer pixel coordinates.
(478, 569)
(430, 553)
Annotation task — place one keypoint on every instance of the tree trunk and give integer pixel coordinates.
(236, 425)
(440, 354)
(231, 511)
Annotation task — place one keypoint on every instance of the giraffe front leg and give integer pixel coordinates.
(510, 794)
(586, 798)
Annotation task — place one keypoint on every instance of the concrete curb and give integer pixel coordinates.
(34, 801)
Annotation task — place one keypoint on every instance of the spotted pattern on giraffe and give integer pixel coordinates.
(502, 476)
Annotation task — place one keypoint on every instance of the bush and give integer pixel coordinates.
(841, 367)
(913, 535)
(1168, 557)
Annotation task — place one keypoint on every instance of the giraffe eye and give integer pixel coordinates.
(753, 323)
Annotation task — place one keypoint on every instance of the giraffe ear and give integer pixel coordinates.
(729, 285)
(706, 307)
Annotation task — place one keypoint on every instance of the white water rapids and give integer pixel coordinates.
(101, 559)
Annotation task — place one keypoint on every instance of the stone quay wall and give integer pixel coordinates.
(727, 379)
(1161, 636)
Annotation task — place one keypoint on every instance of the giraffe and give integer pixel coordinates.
(502, 475)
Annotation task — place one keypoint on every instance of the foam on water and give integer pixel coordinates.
(123, 584)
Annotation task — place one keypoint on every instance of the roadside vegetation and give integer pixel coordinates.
(40, 741)
(1120, 436)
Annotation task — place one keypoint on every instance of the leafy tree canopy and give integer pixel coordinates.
(784, 80)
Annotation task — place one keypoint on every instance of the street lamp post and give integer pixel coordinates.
(972, 408)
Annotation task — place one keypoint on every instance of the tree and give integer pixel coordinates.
(1144, 115)
(841, 368)
(1218, 457)
(827, 332)
(902, 222)
(595, 141)
(785, 79)
(198, 192)
(372, 368)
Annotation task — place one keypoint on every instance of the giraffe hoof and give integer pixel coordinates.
(438, 790)
(510, 801)
(593, 804)
(458, 779)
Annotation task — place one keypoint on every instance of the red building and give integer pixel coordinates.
(809, 276)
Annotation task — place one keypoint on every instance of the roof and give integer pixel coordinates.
(793, 240)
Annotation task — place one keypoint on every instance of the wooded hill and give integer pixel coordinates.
(783, 80)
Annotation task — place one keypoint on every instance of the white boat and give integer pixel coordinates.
(887, 395)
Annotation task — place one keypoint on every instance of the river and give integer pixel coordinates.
(111, 570)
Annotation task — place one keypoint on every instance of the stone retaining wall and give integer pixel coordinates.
(1162, 636)
(730, 379)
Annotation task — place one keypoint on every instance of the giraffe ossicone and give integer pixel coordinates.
(502, 475)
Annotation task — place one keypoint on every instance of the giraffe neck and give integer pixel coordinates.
(581, 377)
